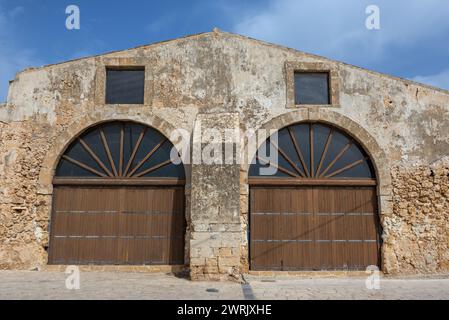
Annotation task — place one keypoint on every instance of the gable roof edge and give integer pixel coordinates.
(247, 38)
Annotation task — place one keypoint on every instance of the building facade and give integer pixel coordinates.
(86, 178)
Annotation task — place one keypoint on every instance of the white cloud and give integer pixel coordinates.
(337, 28)
(440, 80)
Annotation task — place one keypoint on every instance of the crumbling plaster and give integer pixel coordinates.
(403, 125)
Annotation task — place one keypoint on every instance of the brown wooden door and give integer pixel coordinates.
(117, 226)
(314, 228)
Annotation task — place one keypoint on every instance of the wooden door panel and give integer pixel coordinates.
(313, 228)
(117, 225)
(87, 199)
(345, 200)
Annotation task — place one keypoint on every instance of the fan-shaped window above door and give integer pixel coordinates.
(314, 151)
(120, 151)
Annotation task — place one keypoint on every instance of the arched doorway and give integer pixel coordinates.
(118, 199)
(318, 210)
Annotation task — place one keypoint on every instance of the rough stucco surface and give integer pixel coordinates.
(215, 232)
(403, 125)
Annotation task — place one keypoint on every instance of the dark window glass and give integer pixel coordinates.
(320, 137)
(125, 86)
(312, 88)
(68, 169)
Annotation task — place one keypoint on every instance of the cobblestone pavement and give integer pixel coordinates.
(109, 285)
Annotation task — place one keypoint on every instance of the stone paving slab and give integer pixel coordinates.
(349, 289)
(136, 286)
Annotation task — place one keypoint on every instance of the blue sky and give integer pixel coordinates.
(413, 41)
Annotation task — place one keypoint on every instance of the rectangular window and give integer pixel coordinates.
(312, 88)
(125, 86)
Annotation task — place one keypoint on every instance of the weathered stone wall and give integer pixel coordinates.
(24, 213)
(404, 126)
(417, 231)
(215, 231)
